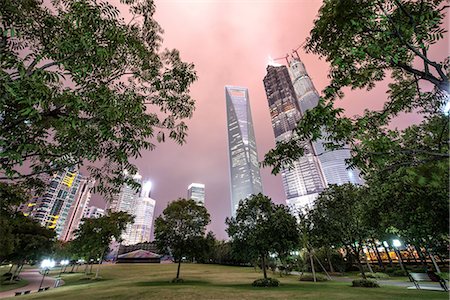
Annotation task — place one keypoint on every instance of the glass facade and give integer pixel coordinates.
(244, 168)
(304, 180)
(333, 163)
(196, 192)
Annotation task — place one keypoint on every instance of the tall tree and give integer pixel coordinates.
(180, 229)
(337, 215)
(261, 227)
(94, 235)
(82, 85)
(364, 41)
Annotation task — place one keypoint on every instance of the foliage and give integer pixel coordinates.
(180, 228)
(364, 41)
(266, 282)
(261, 227)
(377, 275)
(365, 283)
(80, 85)
(94, 235)
(310, 277)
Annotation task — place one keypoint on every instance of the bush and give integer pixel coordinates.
(310, 277)
(398, 273)
(376, 275)
(365, 283)
(269, 282)
(177, 280)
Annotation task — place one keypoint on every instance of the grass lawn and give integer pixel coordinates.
(152, 281)
(6, 286)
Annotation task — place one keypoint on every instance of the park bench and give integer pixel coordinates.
(22, 293)
(430, 277)
(43, 289)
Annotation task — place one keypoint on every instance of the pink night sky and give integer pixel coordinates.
(230, 42)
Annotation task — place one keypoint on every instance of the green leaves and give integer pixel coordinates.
(90, 89)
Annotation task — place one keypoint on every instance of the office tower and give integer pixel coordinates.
(93, 212)
(244, 168)
(333, 162)
(143, 217)
(125, 200)
(304, 180)
(52, 209)
(77, 209)
(196, 191)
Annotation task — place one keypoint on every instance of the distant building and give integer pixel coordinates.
(332, 162)
(141, 206)
(196, 192)
(93, 212)
(78, 207)
(290, 94)
(304, 180)
(57, 208)
(244, 167)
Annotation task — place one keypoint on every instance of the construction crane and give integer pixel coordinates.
(292, 54)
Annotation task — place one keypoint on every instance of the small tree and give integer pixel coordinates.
(261, 227)
(93, 237)
(179, 228)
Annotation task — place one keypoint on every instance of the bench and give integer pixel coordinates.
(430, 277)
(43, 289)
(22, 293)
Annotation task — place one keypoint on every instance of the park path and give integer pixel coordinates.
(34, 279)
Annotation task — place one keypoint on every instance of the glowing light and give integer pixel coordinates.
(385, 244)
(146, 189)
(271, 62)
(47, 264)
(396, 243)
(64, 262)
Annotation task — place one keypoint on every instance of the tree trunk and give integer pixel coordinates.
(86, 269)
(388, 255)
(420, 254)
(10, 269)
(312, 265)
(13, 273)
(99, 263)
(73, 267)
(323, 268)
(178, 270)
(90, 270)
(434, 261)
(358, 260)
(330, 264)
(263, 261)
(380, 261)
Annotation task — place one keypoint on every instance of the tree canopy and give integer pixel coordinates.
(180, 229)
(80, 85)
(364, 42)
(261, 227)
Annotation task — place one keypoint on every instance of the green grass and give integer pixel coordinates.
(6, 286)
(152, 281)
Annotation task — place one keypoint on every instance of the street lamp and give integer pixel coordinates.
(46, 264)
(396, 243)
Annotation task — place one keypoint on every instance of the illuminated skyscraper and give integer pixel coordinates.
(244, 168)
(333, 162)
(53, 209)
(196, 191)
(93, 212)
(304, 180)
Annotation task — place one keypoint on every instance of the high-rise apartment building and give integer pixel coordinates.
(77, 209)
(196, 192)
(53, 209)
(304, 180)
(244, 168)
(332, 162)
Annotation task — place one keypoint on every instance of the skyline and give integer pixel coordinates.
(230, 43)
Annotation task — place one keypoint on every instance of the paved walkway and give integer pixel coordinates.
(34, 279)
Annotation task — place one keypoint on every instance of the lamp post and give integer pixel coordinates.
(63, 264)
(46, 264)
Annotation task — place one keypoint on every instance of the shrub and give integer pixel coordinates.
(364, 283)
(177, 280)
(398, 273)
(269, 282)
(376, 275)
(310, 277)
